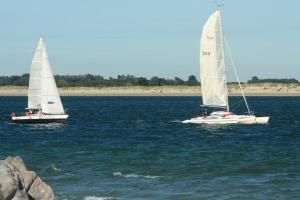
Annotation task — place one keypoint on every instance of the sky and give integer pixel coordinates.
(149, 38)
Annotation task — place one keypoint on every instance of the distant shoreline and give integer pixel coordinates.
(265, 89)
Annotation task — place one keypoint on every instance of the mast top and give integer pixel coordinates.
(42, 36)
(219, 5)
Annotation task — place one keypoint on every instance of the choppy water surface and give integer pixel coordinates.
(136, 148)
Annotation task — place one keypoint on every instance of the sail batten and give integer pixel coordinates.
(42, 92)
(212, 64)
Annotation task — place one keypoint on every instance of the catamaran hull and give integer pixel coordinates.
(231, 120)
(210, 121)
(254, 120)
(36, 119)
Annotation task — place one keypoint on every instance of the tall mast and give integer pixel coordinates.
(231, 59)
(222, 49)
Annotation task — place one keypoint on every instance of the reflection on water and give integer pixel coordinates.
(45, 126)
(42, 126)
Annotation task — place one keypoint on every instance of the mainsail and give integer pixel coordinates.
(42, 92)
(212, 64)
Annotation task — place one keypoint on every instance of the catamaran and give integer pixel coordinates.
(214, 79)
(44, 103)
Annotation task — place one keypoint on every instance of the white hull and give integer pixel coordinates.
(39, 118)
(234, 119)
(254, 120)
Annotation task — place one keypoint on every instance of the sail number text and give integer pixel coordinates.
(206, 53)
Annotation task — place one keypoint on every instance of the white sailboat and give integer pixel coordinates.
(214, 79)
(44, 104)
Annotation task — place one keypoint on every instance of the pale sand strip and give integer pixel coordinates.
(250, 90)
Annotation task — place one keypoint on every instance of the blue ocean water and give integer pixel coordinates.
(136, 148)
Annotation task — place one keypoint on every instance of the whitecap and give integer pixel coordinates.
(176, 121)
(56, 169)
(135, 175)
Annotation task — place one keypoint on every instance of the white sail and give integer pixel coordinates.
(42, 92)
(35, 81)
(212, 64)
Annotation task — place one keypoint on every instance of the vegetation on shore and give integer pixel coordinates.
(89, 80)
(255, 79)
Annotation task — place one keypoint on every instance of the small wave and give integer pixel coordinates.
(135, 175)
(56, 169)
(98, 198)
(176, 121)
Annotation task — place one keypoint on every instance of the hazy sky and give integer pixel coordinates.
(148, 38)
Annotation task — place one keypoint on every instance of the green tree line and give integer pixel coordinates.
(255, 79)
(89, 80)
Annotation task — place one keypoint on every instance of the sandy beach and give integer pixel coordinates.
(266, 89)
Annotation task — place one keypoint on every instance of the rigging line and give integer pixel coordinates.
(236, 105)
(236, 75)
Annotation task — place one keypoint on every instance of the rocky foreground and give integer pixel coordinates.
(17, 183)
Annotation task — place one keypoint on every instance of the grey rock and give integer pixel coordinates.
(16, 183)
(8, 180)
(17, 162)
(29, 177)
(20, 196)
(39, 190)
(11, 182)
